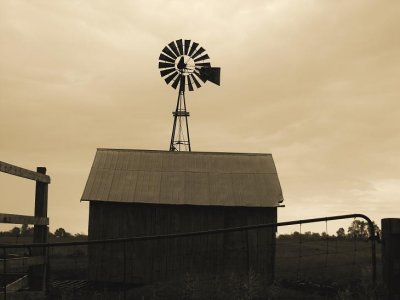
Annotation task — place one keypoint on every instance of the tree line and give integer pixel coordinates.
(358, 229)
(26, 231)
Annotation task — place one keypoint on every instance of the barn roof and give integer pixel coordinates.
(192, 178)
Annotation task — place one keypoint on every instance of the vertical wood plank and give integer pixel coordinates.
(161, 259)
(252, 247)
(391, 256)
(40, 233)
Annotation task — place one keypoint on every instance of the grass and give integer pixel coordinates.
(311, 269)
(335, 260)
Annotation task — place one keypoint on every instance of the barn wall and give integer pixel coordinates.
(148, 261)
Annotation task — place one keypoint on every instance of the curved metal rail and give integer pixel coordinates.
(215, 231)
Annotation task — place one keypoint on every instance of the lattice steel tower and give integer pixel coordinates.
(183, 63)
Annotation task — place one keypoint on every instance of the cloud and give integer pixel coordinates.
(313, 83)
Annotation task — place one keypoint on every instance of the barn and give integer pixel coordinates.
(148, 192)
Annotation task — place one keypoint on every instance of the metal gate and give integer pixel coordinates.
(68, 264)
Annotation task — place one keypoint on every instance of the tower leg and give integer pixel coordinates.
(180, 139)
(171, 144)
(186, 121)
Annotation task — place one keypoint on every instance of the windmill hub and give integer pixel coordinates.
(183, 63)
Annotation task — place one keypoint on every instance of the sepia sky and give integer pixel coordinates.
(315, 83)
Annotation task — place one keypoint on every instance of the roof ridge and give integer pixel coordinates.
(185, 152)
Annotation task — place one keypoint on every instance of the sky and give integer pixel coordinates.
(315, 83)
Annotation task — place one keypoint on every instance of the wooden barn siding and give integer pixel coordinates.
(148, 261)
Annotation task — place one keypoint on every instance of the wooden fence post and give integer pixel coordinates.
(40, 233)
(391, 257)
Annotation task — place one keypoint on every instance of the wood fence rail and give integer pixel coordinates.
(37, 273)
(21, 262)
(21, 219)
(25, 173)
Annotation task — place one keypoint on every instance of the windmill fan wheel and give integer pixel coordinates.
(184, 63)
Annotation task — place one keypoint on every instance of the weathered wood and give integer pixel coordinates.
(391, 256)
(20, 219)
(21, 262)
(24, 295)
(150, 261)
(252, 255)
(25, 173)
(18, 284)
(40, 233)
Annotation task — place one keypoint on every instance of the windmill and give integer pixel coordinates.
(182, 64)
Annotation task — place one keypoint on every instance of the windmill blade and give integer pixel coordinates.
(167, 71)
(173, 48)
(182, 85)
(203, 57)
(198, 85)
(167, 51)
(166, 58)
(165, 65)
(200, 51)
(190, 84)
(170, 77)
(180, 46)
(211, 74)
(202, 65)
(199, 76)
(202, 76)
(193, 48)
(187, 45)
(176, 81)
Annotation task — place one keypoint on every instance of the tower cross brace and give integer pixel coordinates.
(180, 138)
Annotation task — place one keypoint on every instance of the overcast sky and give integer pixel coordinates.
(315, 83)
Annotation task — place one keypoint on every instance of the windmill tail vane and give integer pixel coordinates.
(185, 64)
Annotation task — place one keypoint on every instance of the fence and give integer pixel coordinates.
(35, 275)
(303, 265)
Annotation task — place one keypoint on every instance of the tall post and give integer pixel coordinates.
(40, 233)
(391, 257)
(4, 279)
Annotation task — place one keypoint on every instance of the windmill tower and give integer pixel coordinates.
(182, 64)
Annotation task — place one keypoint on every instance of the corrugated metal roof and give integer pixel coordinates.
(193, 178)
